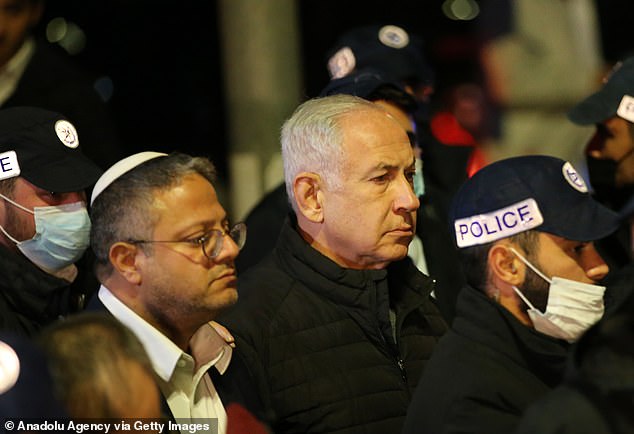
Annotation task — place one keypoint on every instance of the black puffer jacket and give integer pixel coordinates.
(320, 343)
(485, 372)
(30, 298)
(598, 393)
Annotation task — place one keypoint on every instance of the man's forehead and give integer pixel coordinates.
(382, 158)
(373, 124)
(24, 186)
(192, 201)
(561, 240)
(372, 110)
(397, 114)
(192, 190)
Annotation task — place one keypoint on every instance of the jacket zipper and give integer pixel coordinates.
(399, 361)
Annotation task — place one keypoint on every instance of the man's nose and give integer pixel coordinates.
(406, 198)
(596, 268)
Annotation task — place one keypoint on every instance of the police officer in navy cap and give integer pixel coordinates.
(610, 152)
(389, 48)
(525, 229)
(44, 225)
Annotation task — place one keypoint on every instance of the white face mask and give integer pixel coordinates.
(62, 234)
(572, 308)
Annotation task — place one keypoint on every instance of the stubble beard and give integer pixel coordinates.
(535, 288)
(15, 226)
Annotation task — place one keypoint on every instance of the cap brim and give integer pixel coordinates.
(628, 209)
(361, 84)
(588, 220)
(594, 109)
(72, 172)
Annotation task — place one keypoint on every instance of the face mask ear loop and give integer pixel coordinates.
(19, 206)
(531, 266)
(8, 236)
(16, 204)
(523, 297)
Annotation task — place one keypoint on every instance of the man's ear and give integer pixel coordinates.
(123, 257)
(505, 265)
(308, 196)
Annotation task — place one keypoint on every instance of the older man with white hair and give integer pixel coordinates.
(337, 322)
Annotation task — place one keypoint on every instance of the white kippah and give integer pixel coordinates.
(120, 168)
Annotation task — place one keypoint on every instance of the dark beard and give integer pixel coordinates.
(603, 181)
(535, 288)
(14, 223)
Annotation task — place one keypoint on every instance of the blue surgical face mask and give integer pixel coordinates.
(62, 235)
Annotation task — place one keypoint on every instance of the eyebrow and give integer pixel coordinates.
(389, 167)
(206, 225)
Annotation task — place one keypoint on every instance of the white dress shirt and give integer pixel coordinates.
(183, 378)
(11, 73)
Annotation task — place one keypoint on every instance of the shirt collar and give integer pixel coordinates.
(13, 70)
(206, 345)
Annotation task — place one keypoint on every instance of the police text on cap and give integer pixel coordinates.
(485, 228)
(9, 166)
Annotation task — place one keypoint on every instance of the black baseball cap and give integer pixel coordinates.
(615, 98)
(43, 147)
(371, 84)
(523, 193)
(388, 48)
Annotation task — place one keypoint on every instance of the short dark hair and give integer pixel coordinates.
(398, 97)
(7, 186)
(124, 210)
(89, 355)
(474, 259)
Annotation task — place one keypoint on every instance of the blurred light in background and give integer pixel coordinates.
(67, 34)
(463, 10)
(56, 30)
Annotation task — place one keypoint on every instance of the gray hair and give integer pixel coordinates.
(312, 139)
(124, 211)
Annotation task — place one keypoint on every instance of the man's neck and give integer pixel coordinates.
(509, 301)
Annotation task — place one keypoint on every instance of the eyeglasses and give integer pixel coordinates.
(210, 242)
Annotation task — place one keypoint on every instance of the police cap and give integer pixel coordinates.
(43, 147)
(523, 193)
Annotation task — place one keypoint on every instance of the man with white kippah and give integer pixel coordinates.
(165, 255)
(525, 229)
(44, 224)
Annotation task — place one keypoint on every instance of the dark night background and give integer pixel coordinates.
(163, 57)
